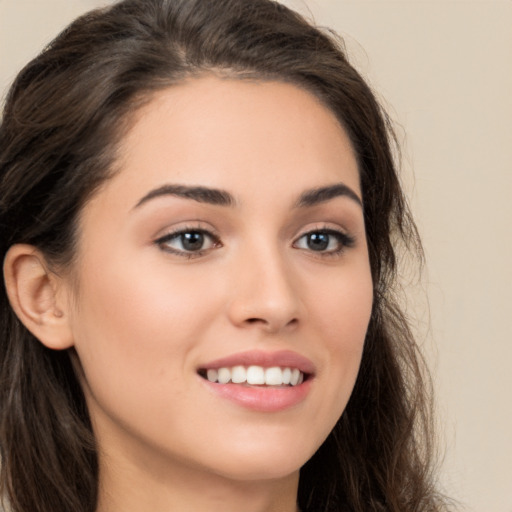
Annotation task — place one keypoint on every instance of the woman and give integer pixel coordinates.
(199, 213)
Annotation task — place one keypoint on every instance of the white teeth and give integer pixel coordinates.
(212, 375)
(256, 376)
(238, 374)
(273, 376)
(295, 377)
(224, 375)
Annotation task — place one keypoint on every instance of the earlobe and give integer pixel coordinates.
(37, 297)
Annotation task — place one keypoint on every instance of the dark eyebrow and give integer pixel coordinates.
(323, 194)
(200, 194)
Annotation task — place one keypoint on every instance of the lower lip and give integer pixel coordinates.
(262, 398)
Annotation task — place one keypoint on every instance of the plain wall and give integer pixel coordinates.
(444, 71)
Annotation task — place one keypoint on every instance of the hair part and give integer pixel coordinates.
(63, 121)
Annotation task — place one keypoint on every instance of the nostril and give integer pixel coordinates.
(270, 324)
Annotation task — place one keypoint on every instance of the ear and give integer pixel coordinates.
(38, 296)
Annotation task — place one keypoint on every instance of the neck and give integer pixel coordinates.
(126, 487)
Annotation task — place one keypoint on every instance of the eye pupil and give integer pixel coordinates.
(192, 241)
(318, 241)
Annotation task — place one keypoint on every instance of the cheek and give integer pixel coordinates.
(138, 328)
(343, 308)
(343, 313)
(137, 336)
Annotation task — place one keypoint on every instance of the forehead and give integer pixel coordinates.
(238, 135)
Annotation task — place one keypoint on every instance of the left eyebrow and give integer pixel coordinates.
(323, 194)
(196, 193)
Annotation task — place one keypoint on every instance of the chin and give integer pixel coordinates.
(264, 463)
(269, 470)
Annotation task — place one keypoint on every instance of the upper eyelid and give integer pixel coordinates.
(210, 231)
(163, 243)
(198, 226)
(329, 231)
(323, 226)
(175, 234)
(346, 238)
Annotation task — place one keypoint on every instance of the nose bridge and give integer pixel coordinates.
(264, 287)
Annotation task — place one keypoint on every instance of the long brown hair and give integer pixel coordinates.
(63, 119)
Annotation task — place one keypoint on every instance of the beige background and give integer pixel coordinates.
(444, 71)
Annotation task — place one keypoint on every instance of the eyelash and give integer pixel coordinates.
(163, 242)
(343, 240)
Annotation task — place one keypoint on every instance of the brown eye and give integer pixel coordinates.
(318, 241)
(193, 241)
(188, 241)
(324, 241)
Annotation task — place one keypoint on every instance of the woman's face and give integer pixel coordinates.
(230, 244)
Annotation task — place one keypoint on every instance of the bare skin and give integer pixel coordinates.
(270, 261)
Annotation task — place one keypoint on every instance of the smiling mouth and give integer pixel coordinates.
(253, 375)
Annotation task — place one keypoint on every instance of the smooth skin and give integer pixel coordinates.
(163, 284)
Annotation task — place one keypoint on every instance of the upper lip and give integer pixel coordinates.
(282, 358)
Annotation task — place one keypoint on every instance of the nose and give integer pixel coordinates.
(264, 292)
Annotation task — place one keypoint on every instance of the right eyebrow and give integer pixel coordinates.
(323, 194)
(196, 193)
